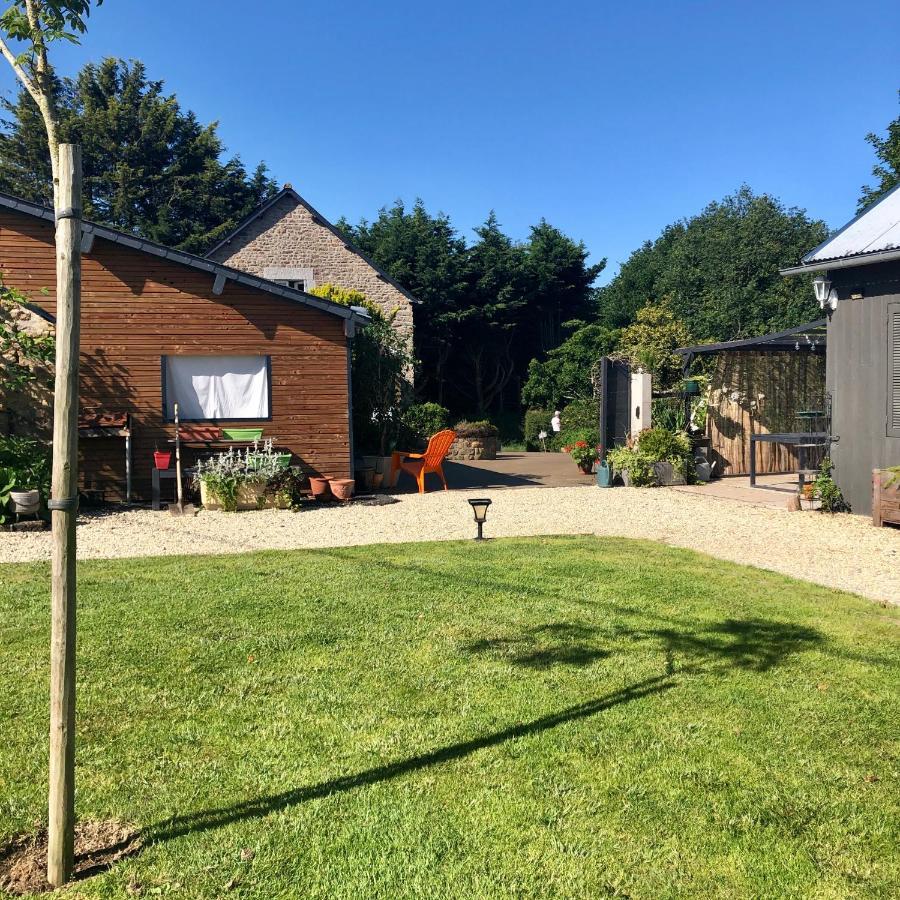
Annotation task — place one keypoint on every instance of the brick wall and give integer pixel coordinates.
(287, 235)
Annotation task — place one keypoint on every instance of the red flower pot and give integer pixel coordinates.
(342, 488)
(162, 459)
(319, 488)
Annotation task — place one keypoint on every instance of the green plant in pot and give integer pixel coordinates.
(28, 463)
(584, 455)
(237, 479)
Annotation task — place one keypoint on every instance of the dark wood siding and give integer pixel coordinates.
(858, 375)
(137, 308)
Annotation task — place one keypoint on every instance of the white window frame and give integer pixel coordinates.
(291, 276)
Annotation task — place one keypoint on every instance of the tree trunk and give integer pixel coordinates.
(61, 820)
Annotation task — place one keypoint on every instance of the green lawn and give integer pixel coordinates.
(565, 717)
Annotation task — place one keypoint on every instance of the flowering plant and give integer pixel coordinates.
(225, 473)
(583, 453)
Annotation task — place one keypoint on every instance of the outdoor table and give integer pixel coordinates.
(801, 440)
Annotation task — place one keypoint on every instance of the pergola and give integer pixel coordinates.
(808, 338)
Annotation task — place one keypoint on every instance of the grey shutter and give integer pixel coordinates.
(893, 373)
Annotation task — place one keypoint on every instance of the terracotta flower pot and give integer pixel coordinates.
(342, 488)
(319, 488)
(586, 467)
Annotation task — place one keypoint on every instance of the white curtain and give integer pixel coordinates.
(217, 387)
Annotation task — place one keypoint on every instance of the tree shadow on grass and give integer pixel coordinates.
(543, 646)
(206, 820)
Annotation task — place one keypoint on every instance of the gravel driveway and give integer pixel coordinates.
(841, 551)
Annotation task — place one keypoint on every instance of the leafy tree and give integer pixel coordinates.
(887, 170)
(565, 375)
(559, 281)
(149, 167)
(651, 341)
(719, 270)
(488, 308)
(426, 255)
(486, 326)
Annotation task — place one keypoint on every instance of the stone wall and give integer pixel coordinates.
(464, 448)
(288, 241)
(27, 410)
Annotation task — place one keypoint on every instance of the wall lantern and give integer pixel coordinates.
(480, 507)
(825, 294)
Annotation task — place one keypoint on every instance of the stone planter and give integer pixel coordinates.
(464, 448)
(885, 500)
(25, 503)
(250, 495)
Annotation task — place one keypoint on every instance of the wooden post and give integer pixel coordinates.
(61, 818)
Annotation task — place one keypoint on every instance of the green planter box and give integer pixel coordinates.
(242, 434)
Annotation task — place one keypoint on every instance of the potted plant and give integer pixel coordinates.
(237, 480)
(584, 455)
(7, 483)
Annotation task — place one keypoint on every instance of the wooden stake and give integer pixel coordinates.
(178, 489)
(61, 818)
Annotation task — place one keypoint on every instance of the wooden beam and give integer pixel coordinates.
(87, 242)
(219, 284)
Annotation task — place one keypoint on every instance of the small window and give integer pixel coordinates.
(893, 371)
(216, 388)
(298, 284)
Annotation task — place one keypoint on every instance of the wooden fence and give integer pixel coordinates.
(753, 392)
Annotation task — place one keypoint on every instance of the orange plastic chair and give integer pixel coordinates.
(420, 464)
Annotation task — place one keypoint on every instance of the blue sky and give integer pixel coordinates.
(609, 119)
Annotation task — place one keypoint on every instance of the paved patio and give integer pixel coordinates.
(509, 470)
(772, 490)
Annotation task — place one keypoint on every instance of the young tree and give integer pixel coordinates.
(651, 341)
(150, 168)
(887, 170)
(33, 25)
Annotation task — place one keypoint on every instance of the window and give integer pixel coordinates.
(893, 371)
(216, 388)
(298, 284)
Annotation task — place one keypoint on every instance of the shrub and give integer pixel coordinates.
(28, 461)
(536, 421)
(481, 429)
(827, 491)
(662, 445)
(652, 446)
(580, 414)
(423, 420)
(579, 423)
(634, 461)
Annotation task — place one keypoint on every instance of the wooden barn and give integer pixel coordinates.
(160, 326)
(760, 388)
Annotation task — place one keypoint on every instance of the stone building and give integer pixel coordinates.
(287, 241)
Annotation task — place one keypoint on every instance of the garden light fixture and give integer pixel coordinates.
(480, 507)
(825, 294)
